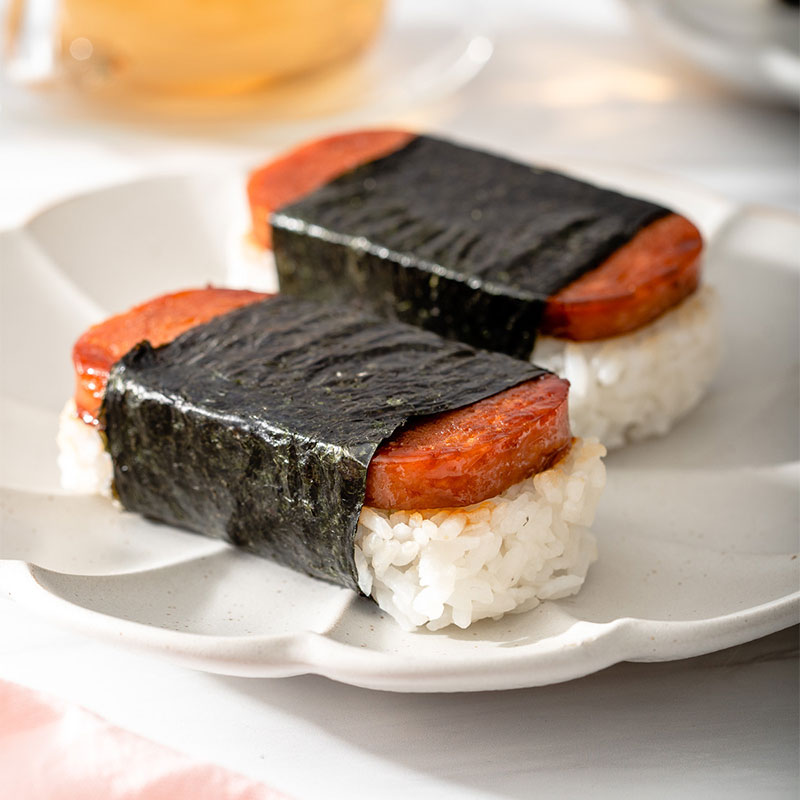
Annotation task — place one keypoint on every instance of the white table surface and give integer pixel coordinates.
(569, 84)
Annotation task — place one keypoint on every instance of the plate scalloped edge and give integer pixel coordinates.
(585, 648)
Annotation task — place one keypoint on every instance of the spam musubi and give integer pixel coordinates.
(602, 288)
(439, 479)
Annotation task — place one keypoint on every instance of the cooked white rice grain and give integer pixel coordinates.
(249, 265)
(84, 464)
(635, 386)
(457, 565)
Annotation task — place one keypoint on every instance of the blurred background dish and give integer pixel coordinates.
(217, 47)
(182, 47)
(752, 45)
(285, 71)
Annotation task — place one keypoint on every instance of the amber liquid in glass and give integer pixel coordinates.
(209, 47)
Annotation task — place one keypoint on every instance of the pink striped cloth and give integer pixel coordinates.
(51, 750)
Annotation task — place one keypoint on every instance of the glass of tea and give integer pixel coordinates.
(197, 47)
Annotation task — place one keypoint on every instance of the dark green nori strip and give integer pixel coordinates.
(258, 426)
(461, 242)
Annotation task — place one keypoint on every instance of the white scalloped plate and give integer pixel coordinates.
(697, 531)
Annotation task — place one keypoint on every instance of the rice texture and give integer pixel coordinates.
(248, 265)
(631, 387)
(506, 554)
(83, 462)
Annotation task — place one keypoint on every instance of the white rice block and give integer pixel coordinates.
(84, 464)
(248, 265)
(635, 386)
(457, 565)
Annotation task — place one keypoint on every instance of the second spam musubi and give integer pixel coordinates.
(600, 287)
(441, 480)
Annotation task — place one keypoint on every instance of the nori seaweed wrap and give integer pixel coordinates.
(258, 426)
(458, 241)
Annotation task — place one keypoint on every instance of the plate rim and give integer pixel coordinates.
(308, 652)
